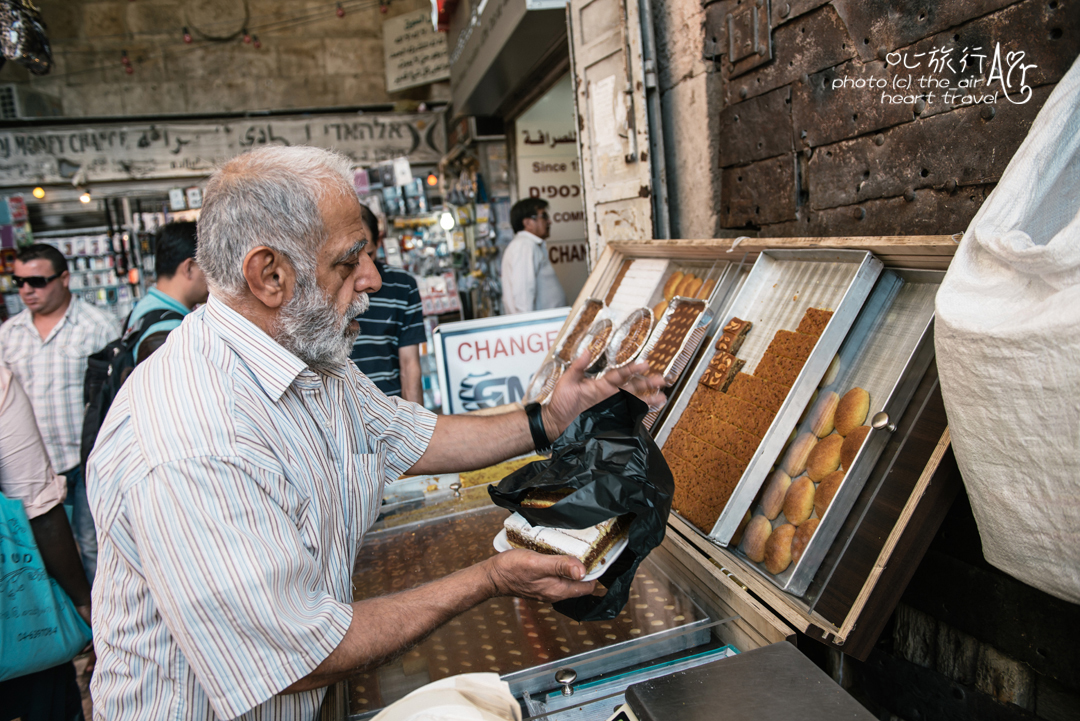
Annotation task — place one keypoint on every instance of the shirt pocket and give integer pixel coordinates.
(365, 476)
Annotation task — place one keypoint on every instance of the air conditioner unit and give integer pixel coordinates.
(20, 101)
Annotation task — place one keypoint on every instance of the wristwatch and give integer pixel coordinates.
(536, 427)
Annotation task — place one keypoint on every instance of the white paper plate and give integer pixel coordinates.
(501, 545)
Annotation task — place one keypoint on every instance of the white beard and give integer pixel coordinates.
(310, 328)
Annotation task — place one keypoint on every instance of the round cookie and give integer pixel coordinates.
(737, 537)
(799, 500)
(754, 538)
(851, 446)
(802, 538)
(778, 549)
(825, 458)
(794, 461)
(852, 410)
(830, 375)
(772, 500)
(823, 415)
(825, 492)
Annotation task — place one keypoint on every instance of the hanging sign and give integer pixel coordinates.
(488, 362)
(143, 151)
(547, 167)
(415, 53)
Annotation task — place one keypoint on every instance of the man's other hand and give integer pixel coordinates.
(526, 574)
(575, 393)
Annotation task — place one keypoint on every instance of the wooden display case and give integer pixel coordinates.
(900, 507)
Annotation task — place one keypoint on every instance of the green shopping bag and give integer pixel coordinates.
(39, 626)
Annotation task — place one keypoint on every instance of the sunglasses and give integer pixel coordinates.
(34, 281)
(541, 216)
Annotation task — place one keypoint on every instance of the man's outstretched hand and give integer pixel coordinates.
(574, 392)
(527, 574)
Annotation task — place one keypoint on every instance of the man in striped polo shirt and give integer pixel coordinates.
(240, 466)
(387, 350)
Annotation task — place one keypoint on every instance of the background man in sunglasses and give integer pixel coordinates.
(45, 347)
(528, 279)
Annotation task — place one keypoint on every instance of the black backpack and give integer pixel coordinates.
(107, 370)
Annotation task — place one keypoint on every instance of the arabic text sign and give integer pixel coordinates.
(415, 53)
(176, 150)
(487, 363)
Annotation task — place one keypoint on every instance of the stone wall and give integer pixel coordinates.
(796, 142)
(309, 57)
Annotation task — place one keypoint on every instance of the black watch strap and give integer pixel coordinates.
(536, 427)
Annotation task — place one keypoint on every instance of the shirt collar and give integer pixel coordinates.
(168, 300)
(71, 315)
(533, 237)
(274, 367)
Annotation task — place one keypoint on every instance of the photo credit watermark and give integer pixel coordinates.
(924, 76)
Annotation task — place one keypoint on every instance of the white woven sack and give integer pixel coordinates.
(1008, 352)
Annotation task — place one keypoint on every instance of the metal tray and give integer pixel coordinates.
(524, 641)
(887, 351)
(781, 286)
(579, 319)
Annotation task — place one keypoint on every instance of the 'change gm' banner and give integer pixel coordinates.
(488, 362)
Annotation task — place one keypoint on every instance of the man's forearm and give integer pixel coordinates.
(465, 443)
(59, 554)
(412, 387)
(386, 626)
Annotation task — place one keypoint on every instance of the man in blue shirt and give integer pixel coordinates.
(180, 286)
(387, 350)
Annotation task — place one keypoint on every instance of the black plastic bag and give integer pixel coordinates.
(608, 456)
(22, 36)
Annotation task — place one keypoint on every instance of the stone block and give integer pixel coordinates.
(141, 98)
(64, 17)
(216, 61)
(957, 655)
(1004, 678)
(225, 94)
(350, 56)
(103, 18)
(93, 99)
(298, 58)
(160, 17)
(914, 635)
(365, 89)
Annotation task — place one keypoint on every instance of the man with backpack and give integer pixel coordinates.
(180, 286)
(46, 348)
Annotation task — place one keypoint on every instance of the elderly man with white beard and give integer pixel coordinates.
(240, 466)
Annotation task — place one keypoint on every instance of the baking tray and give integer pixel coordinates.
(779, 289)
(568, 344)
(729, 275)
(526, 640)
(889, 348)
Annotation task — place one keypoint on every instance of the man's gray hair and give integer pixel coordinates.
(270, 197)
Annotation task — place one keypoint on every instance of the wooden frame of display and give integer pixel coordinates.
(911, 488)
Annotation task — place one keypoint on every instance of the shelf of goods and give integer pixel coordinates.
(805, 430)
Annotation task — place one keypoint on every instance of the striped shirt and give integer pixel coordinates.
(394, 320)
(52, 371)
(232, 487)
